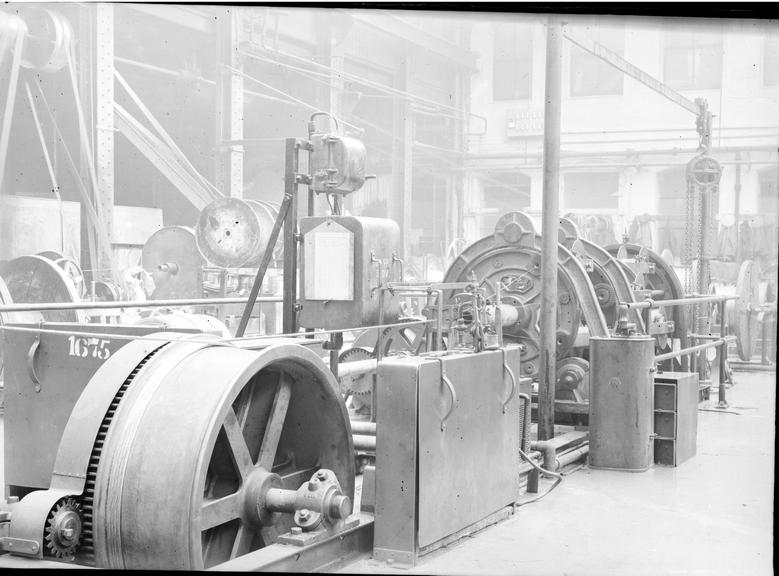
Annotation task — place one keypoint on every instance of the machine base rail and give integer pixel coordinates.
(328, 554)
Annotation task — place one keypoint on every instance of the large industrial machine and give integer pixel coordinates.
(171, 445)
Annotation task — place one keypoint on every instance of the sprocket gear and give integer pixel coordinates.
(63, 529)
(360, 386)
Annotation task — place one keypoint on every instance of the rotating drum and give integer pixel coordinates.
(234, 233)
(196, 436)
(35, 279)
(512, 257)
(172, 258)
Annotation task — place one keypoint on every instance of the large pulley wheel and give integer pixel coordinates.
(198, 438)
(36, 279)
(232, 233)
(395, 339)
(172, 258)
(743, 316)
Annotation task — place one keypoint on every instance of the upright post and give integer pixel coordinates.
(550, 219)
(722, 357)
(291, 163)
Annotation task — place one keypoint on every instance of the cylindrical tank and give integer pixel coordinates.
(621, 402)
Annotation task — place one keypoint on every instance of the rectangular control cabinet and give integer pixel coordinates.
(621, 398)
(446, 454)
(676, 417)
(344, 260)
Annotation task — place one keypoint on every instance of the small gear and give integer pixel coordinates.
(63, 529)
(360, 386)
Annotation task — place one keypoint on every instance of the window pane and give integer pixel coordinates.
(693, 60)
(512, 62)
(708, 67)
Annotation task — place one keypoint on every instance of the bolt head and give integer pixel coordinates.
(296, 530)
(304, 514)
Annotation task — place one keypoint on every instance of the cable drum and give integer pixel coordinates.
(741, 313)
(234, 233)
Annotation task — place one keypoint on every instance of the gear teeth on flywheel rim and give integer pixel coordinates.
(86, 548)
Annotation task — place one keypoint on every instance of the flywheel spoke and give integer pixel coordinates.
(269, 535)
(243, 541)
(239, 451)
(270, 440)
(221, 510)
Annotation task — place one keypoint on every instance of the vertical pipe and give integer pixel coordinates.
(551, 220)
(722, 352)
(737, 206)
(289, 315)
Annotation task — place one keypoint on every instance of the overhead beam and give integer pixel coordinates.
(395, 26)
(182, 16)
(633, 71)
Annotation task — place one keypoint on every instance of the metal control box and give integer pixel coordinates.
(345, 260)
(675, 417)
(337, 164)
(447, 440)
(621, 402)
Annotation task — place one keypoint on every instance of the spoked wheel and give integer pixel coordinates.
(200, 436)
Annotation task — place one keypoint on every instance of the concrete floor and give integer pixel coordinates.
(711, 515)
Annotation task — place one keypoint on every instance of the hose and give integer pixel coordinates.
(558, 478)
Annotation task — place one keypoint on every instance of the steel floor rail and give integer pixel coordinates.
(327, 555)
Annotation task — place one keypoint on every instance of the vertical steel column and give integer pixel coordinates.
(289, 306)
(722, 356)
(551, 220)
(104, 132)
(399, 202)
(229, 105)
(737, 206)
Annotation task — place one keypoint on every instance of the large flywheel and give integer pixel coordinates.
(202, 439)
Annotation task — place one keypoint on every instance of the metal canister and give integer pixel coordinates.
(621, 403)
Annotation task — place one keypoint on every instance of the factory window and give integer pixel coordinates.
(591, 76)
(512, 62)
(591, 190)
(693, 60)
(503, 192)
(771, 62)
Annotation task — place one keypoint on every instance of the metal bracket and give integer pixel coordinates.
(31, 355)
(20, 546)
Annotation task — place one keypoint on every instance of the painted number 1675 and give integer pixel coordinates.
(83, 347)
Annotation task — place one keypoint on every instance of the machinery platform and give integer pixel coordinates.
(711, 515)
